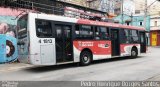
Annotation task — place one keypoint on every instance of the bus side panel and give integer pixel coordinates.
(126, 49)
(100, 49)
(42, 53)
(34, 57)
(42, 50)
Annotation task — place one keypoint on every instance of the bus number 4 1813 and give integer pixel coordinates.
(46, 41)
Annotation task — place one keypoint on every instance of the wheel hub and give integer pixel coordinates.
(133, 53)
(85, 58)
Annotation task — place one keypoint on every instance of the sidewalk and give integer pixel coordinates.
(13, 67)
(154, 46)
(155, 78)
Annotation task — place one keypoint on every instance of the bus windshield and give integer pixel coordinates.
(22, 27)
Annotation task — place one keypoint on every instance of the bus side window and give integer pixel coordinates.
(43, 29)
(134, 36)
(108, 33)
(126, 36)
(102, 33)
(84, 32)
(97, 33)
(77, 31)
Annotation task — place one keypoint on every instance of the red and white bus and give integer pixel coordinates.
(51, 40)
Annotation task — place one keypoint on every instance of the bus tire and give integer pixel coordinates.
(134, 53)
(85, 58)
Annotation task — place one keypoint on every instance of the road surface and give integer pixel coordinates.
(146, 67)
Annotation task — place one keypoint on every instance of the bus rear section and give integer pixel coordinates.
(48, 41)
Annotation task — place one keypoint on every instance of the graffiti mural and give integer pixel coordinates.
(6, 29)
(8, 48)
(8, 42)
(8, 25)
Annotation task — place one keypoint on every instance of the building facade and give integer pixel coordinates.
(137, 20)
(155, 30)
(133, 20)
(102, 5)
(124, 7)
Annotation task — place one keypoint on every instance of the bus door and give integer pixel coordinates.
(143, 42)
(115, 42)
(64, 51)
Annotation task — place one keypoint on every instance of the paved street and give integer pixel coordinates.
(146, 67)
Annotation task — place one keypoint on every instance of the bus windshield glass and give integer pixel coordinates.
(22, 27)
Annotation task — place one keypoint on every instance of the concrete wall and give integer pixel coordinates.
(154, 19)
(153, 22)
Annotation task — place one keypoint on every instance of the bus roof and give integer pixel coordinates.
(108, 24)
(84, 21)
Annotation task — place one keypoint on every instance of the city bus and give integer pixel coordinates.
(52, 40)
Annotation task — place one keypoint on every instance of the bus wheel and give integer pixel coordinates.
(134, 53)
(85, 58)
